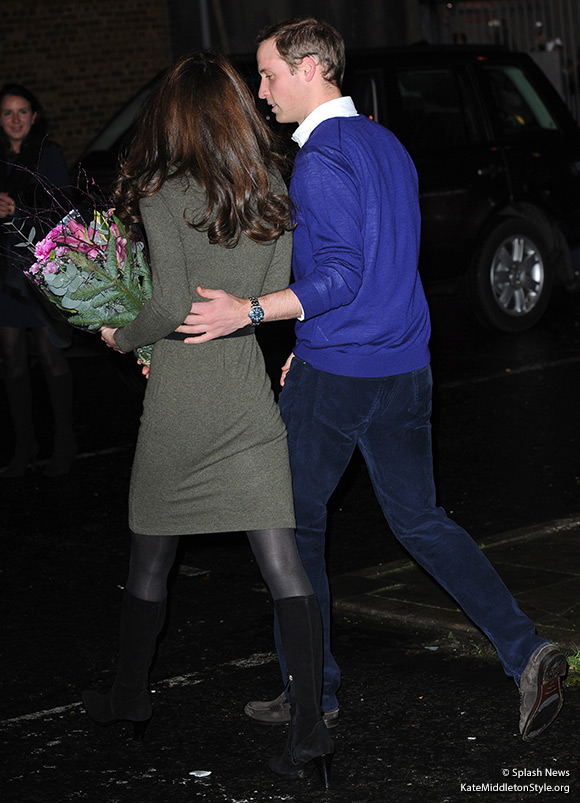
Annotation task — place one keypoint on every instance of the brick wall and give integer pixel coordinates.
(82, 59)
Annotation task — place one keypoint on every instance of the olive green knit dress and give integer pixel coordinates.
(211, 454)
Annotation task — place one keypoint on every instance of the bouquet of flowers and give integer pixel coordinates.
(91, 272)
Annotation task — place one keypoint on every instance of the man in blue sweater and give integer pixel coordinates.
(360, 374)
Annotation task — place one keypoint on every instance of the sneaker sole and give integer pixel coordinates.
(550, 699)
(282, 719)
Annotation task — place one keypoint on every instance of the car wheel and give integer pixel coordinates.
(510, 281)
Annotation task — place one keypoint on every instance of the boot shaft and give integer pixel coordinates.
(301, 632)
(141, 624)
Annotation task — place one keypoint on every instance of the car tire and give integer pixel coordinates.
(509, 284)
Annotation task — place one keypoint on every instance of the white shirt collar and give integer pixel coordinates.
(337, 107)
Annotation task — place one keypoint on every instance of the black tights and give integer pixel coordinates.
(152, 557)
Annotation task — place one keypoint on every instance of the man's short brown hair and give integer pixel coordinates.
(300, 37)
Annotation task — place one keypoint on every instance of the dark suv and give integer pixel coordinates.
(498, 158)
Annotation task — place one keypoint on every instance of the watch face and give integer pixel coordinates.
(256, 315)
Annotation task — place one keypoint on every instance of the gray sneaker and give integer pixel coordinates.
(277, 712)
(541, 690)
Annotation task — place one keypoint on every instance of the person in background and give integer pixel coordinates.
(32, 170)
(360, 372)
(212, 456)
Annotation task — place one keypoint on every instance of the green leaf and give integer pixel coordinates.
(89, 290)
(82, 261)
(106, 296)
(58, 291)
(75, 283)
(111, 259)
(83, 323)
(68, 303)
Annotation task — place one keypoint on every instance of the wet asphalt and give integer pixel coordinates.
(426, 713)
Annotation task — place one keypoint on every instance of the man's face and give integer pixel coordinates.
(282, 89)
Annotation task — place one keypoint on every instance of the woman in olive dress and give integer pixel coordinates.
(202, 179)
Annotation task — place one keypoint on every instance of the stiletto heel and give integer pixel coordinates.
(291, 770)
(322, 764)
(99, 708)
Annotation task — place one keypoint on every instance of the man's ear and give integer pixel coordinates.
(309, 66)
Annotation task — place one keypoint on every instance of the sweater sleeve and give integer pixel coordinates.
(171, 295)
(328, 242)
(278, 274)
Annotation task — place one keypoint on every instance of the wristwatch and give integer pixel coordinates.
(256, 313)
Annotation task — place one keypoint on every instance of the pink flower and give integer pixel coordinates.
(44, 247)
(77, 230)
(87, 241)
(121, 250)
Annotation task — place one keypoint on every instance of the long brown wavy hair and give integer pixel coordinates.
(201, 123)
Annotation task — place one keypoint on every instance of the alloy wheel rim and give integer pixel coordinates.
(517, 275)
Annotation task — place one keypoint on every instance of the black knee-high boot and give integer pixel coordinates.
(141, 623)
(309, 744)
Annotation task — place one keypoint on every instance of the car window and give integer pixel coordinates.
(518, 105)
(363, 89)
(434, 115)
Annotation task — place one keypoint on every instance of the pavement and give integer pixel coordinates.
(418, 722)
(537, 563)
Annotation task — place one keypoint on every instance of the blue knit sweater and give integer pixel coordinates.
(355, 255)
